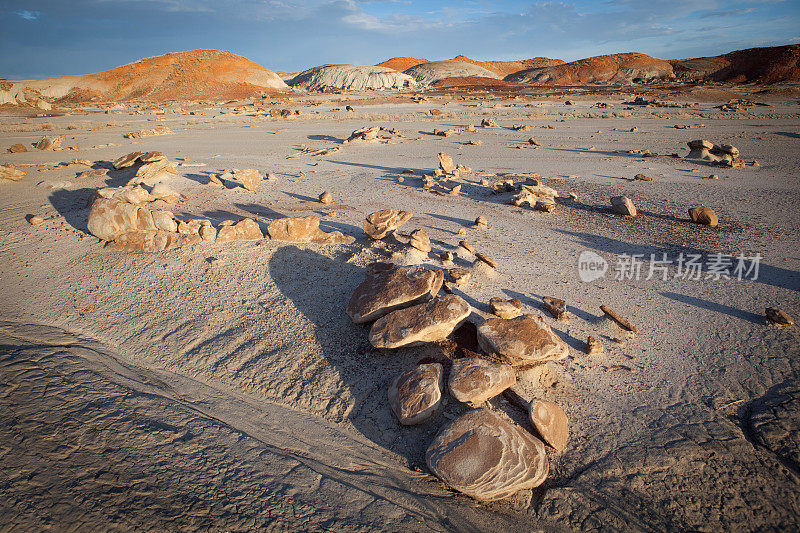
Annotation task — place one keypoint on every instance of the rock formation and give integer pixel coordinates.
(414, 395)
(401, 63)
(304, 230)
(551, 422)
(773, 64)
(427, 73)
(487, 456)
(426, 322)
(351, 77)
(618, 68)
(520, 341)
(380, 223)
(474, 380)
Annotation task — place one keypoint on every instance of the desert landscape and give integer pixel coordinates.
(421, 295)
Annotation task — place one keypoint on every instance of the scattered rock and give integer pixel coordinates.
(704, 215)
(364, 135)
(556, 307)
(379, 224)
(520, 341)
(533, 193)
(416, 394)
(466, 246)
(778, 317)
(250, 178)
(431, 321)
(486, 259)
(724, 154)
(208, 233)
(304, 230)
(160, 130)
(444, 257)
(387, 288)
(475, 142)
(623, 323)
(459, 276)
(244, 230)
(10, 172)
(446, 163)
(642, 177)
(593, 346)
(35, 220)
(50, 143)
(551, 422)
(481, 222)
(534, 142)
(506, 308)
(420, 241)
(325, 198)
(17, 148)
(488, 123)
(485, 455)
(474, 380)
(130, 159)
(94, 174)
(623, 205)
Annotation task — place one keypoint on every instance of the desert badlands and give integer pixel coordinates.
(425, 295)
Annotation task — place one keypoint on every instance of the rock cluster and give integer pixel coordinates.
(388, 288)
(416, 394)
(521, 341)
(431, 321)
(723, 154)
(380, 223)
(11, 173)
(304, 229)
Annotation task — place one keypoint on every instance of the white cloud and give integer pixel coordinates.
(28, 15)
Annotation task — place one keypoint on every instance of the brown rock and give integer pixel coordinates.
(623, 322)
(244, 230)
(151, 241)
(520, 341)
(250, 178)
(379, 224)
(420, 241)
(551, 422)
(130, 159)
(778, 317)
(35, 220)
(325, 198)
(50, 143)
(444, 257)
(481, 222)
(488, 123)
(17, 148)
(474, 380)
(488, 260)
(304, 230)
(642, 177)
(623, 205)
(704, 215)
(165, 193)
(10, 172)
(466, 246)
(506, 308)
(485, 455)
(426, 322)
(416, 394)
(387, 288)
(208, 233)
(446, 163)
(165, 221)
(534, 142)
(556, 307)
(593, 346)
(459, 276)
(94, 174)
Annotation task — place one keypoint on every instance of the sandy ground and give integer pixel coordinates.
(223, 386)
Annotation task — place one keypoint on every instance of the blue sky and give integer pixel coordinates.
(57, 37)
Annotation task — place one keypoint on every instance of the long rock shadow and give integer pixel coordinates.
(320, 287)
(767, 274)
(714, 306)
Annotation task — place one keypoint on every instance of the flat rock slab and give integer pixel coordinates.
(506, 308)
(244, 230)
(551, 422)
(305, 229)
(426, 322)
(485, 455)
(474, 380)
(387, 288)
(414, 395)
(520, 341)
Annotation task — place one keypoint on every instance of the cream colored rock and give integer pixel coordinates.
(325, 198)
(459, 276)
(50, 143)
(11, 173)
(623, 205)
(446, 163)
(387, 288)
(556, 307)
(481, 222)
(304, 230)
(110, 218)
(416, 394)
(130, 159)
(520, 341)
(420, 241)
(485, 455)
(162, 191)
(551, 422)
(474, 380)
(506, 308)
(380, 223)
(208, 233)
(165, 221)
(432, 321)
(250, 178)
(593, 346)
(151, 241)
(244, 230)
(35, 220)
(152, 172)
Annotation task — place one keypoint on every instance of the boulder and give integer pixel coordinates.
(551, 422)
(325, 198)
(485, 455)
(304, 230)
(152, 172)
(446, 163)
(17, 148)
(704, 215)
(778, 317)
(520, 341)
(623, 205)
(250, 178)
(50, 143)
(365, 134)
(459, 276)
(11, 173)
(431, 321)
(416, 394)
(162, 191)
(130, 159)
(474, 380)
(706, 150)
(380, 223)
(420, 241)
(556, 307)
(506, 308)
(387, 288)
(109, 218)
(151, 241)
(208, 233)
(165, 221)
(244, 230)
